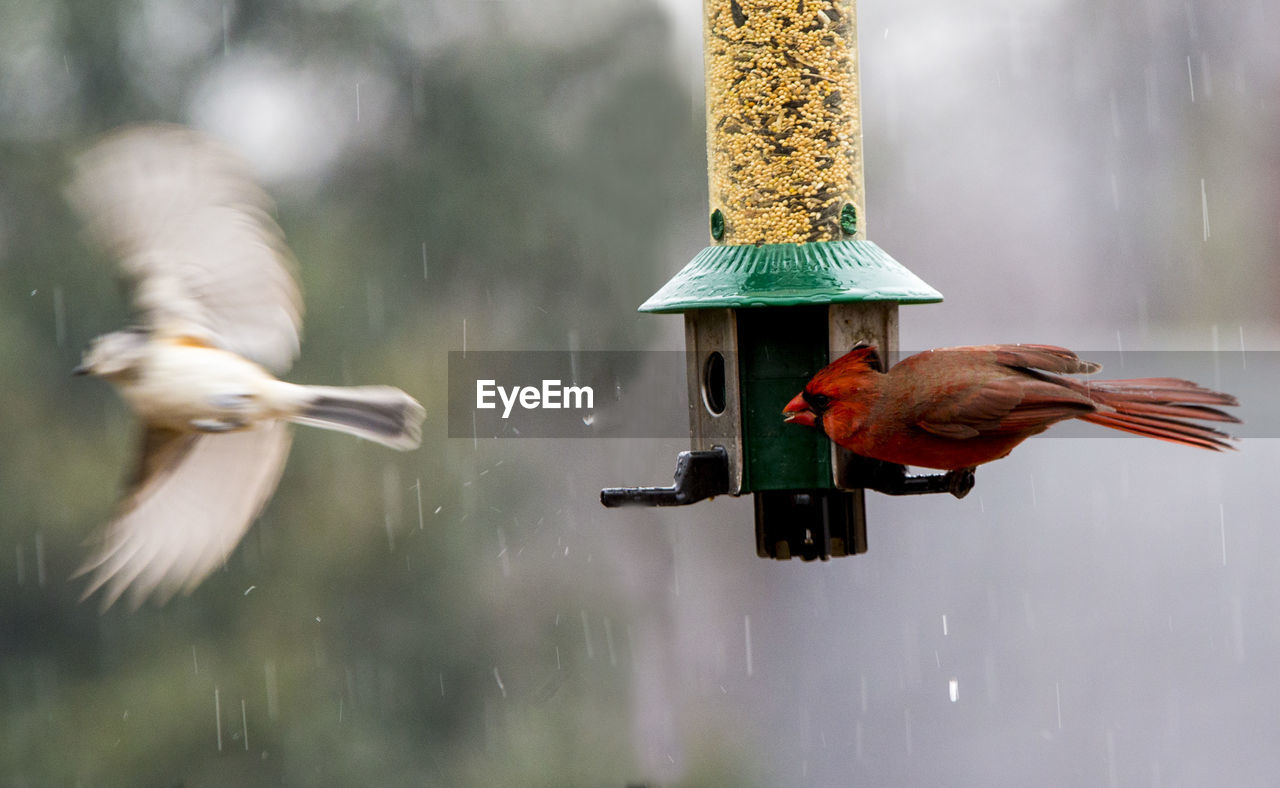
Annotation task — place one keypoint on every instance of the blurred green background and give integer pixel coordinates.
(507, 174)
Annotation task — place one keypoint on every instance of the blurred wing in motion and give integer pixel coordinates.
(192, 500)
(192, 231)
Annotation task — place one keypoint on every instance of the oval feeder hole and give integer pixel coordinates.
(713, 384)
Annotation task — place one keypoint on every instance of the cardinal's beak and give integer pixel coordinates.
(798, 412)
(81, 369)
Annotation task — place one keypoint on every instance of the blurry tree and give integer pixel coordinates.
(366, 632)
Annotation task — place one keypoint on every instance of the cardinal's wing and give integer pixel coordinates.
(1005, 389)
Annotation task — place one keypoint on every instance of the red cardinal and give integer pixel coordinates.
(958, 407)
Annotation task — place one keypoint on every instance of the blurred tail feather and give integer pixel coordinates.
(382, 414)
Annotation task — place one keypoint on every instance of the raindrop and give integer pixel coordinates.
(503, 559)
(417, 491)
(953, 690)
(244, 724)
(608, 639)
(1191, 83)
(944, 624)
(217, 715)
(1204, 209)
(424, 261)
(59, 316)
(586, 628)
(498, 678)
(273, 694)
(1057, 696)
(574, 347)
(746, 626)
(1222, 528)
(390, 510)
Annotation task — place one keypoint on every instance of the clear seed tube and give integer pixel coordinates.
(784, 132)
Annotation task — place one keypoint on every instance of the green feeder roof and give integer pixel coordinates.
(790, 275)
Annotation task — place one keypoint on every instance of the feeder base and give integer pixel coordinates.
(810, 524)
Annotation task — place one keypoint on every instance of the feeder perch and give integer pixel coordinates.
(789, 283)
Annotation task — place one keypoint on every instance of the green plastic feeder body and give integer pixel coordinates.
(779, 349)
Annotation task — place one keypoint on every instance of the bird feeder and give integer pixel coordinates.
(789, 282)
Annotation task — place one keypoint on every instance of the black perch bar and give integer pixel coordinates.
(806, 524)
(699, 475)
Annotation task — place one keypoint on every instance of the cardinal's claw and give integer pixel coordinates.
(960, 482)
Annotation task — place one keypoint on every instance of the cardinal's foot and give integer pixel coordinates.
(960, 482)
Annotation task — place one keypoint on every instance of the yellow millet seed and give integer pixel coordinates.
(783, 132)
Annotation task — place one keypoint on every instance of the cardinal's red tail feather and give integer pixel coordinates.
(1159, 407)
(1164, 429)
(1169, 391)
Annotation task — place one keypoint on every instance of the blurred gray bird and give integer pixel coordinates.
(218, 304)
